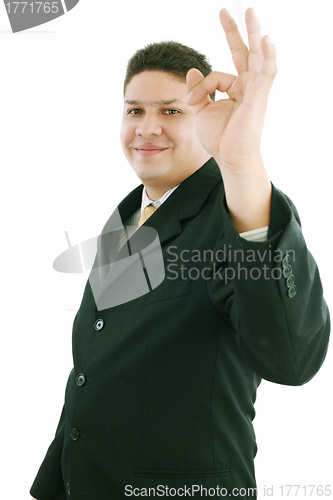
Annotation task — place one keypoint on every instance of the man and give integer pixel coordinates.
(160, 399)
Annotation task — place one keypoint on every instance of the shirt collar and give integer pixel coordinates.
(147, 201)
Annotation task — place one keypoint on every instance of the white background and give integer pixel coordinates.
(62, 168)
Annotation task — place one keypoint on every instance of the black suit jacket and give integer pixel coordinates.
(163, 395)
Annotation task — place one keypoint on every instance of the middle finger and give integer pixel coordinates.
(237, 46)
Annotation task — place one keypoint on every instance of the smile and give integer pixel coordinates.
(149, 150)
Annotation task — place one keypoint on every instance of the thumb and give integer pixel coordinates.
(193, 78)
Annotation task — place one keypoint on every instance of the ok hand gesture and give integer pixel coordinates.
(230, 129)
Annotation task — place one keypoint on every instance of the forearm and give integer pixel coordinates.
(248, 193)
(275, 304)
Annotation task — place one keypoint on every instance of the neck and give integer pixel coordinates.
(156, 192)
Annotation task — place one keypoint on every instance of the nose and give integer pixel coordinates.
(149, 125)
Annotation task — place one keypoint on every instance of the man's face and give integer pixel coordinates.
(158, 133)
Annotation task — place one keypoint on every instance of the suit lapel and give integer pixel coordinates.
(185, 202)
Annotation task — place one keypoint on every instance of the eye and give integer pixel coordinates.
(171, 111)
(133, 111)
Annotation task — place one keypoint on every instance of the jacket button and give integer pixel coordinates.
(290, 280)
(80, 379)
(292, 291)
(68, 489)
(287, 271)
(99, 324)
(74, 434)
(285, 261)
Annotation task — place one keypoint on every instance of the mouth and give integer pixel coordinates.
(149, 150)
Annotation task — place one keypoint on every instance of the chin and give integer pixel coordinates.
(150, 173)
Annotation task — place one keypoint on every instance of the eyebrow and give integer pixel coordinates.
(152, 103)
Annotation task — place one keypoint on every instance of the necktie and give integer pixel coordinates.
(129, 231)
(147, 212)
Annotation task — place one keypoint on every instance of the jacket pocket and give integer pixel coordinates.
(166, 291)
(174, 474)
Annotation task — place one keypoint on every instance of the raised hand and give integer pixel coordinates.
(231, 129)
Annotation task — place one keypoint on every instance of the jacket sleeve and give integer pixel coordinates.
(272, 294)
(48, 484)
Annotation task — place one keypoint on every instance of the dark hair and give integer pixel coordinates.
(171, 57)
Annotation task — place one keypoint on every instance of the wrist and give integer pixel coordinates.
(246, 167)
